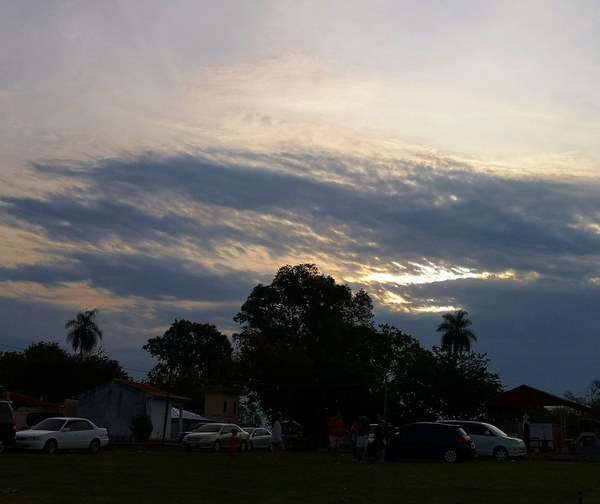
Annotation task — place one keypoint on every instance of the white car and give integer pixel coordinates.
(260, 438)
(216, 437)
(491, 441)
(63, 433)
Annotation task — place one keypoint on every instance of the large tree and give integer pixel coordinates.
(308, 346)
(456, 335)
(192, 356)
(83, 331)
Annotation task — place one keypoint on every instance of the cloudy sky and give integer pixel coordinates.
(160, 159)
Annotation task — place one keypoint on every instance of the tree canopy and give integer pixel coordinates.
(308, 347)
(195, 356)
(46, 370)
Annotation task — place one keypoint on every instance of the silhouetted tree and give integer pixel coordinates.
(195, 355)
(308, 346)
(84, 332)
(456, 335)
(45, 370)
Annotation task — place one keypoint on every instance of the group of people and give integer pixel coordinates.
(360, 432)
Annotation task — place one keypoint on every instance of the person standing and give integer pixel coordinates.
(277, 439)
(354, 433)
(381, 438)
(362, 440)
(335, 426)
(233, 442)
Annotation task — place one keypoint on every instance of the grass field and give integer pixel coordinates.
(174, 476)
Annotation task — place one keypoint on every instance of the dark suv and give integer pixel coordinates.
(431, 440)
(7, 426)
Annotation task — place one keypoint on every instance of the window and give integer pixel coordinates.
(224, 406)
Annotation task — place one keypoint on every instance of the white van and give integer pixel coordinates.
(491, 441)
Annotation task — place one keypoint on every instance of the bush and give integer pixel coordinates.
(141, 426)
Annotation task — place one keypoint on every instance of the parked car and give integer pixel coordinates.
(193, 428)
(260, 438)
(7, 426)
(491, 441)
(431, 440)
(215, 437)
(63, 433)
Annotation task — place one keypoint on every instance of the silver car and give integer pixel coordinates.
(216, 437)
(63, 433)
(260, 438)
(491, 441)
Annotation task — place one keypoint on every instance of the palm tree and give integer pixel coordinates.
(83, 333)
(456, 335)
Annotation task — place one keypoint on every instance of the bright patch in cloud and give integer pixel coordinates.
(423, 274)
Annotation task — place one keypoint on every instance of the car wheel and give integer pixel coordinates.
(501, 453)
(51, 447)
(450, 455)
(94, 446)
(217, 446)
(243, 446)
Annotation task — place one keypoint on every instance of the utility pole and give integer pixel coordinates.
(169, 380)
(385, 398)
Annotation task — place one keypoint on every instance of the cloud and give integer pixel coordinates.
(195, 224)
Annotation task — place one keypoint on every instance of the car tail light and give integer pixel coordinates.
(463, 439)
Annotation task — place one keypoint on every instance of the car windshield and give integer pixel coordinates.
(51, 424)
(496, 431)
(208, 428)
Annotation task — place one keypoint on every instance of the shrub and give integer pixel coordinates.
(141, 426)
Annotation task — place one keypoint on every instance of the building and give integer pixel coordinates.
(222, 405)
(115, 404)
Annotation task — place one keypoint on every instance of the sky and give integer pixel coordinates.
(161, 159)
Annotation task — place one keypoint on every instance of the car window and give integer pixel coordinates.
(262, 432)
(414, 432)
(79, 425)
(497, 432)
(50, 424)
(441, 433)
(208, 428)
(476, 429)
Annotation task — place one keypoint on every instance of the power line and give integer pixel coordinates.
(10, 346)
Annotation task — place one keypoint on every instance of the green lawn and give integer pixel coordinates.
(179, 477)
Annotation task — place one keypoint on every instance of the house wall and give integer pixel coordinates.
(113, 406)
(221, 407)
(156, 411)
